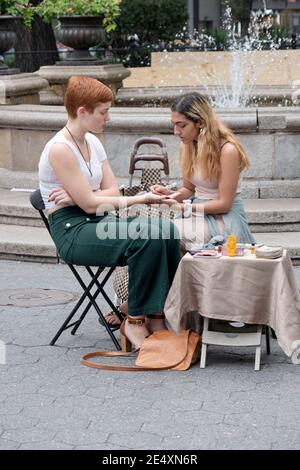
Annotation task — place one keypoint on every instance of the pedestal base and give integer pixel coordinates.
(111, 75)
(8, 71)
(80, 62)
(20, 88)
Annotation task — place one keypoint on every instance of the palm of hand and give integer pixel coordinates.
(160, 190)
(151, 198)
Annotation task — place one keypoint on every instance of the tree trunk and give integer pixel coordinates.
(36, 47)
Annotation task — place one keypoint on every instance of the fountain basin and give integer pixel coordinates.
(270, 135)
(164, 96)
(267, 78)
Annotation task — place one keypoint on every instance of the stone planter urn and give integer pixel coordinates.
(7, 41)
(80, 33)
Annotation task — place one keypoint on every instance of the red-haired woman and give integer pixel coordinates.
(79, 189)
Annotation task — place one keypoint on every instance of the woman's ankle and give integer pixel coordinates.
(156, 316)
(156, 322)
(124, 307)
(135, 330)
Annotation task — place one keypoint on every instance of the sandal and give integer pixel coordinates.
(126, 343)
(112, 320)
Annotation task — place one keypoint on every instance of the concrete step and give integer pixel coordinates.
(25, 243)
(273, 215)
(251, 188)
(264, 215)
(18, 179)
(35, 244)
(23, 236)
(15, 209)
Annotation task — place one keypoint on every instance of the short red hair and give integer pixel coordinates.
(87, 92)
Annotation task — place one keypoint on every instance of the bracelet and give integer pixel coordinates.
(187, 208)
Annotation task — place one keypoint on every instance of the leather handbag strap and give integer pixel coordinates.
(84, 360)
(155, 350)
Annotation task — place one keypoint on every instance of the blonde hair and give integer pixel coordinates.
(206, 151)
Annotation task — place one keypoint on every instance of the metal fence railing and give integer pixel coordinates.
(133, 56)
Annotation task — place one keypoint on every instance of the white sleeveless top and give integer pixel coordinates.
(47, 177)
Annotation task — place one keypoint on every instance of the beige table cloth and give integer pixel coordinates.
(247, 289)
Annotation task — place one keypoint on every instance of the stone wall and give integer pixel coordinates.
(279, 68)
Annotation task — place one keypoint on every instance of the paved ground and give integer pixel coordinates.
(48, 400)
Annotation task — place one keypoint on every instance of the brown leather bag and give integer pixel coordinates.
(162, 350)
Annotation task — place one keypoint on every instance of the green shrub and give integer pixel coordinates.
(280, 32)
(9, 60)
(153, 21)
(49, 9)
(220, 38)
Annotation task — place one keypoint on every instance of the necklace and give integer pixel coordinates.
(88, 164)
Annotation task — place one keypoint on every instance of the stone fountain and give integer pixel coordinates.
(242, 75)
(271, 135)
(245, 74)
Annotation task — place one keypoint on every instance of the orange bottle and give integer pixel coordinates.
(231, 245)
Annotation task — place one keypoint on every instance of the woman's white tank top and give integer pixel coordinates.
(47, 177)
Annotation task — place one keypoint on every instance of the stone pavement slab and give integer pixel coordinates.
(48, 400)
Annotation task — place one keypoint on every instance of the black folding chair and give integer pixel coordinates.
(38, 204)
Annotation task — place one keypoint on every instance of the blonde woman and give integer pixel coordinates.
(212, 161)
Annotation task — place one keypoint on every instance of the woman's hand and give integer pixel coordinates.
(60, 197)
(171, 202)
(160, 190)
(150, 198)
(173, 197)
(162, 201)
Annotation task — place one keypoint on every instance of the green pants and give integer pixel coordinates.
(150, 248)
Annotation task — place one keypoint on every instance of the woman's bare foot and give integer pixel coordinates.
(112, 319)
